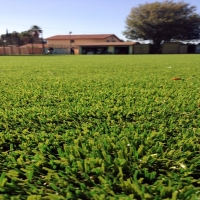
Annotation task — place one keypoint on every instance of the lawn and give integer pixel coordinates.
(100, 127)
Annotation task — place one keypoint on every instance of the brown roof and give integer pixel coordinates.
(109, 44)
(34, 45)
(82, 45)
(79, 37)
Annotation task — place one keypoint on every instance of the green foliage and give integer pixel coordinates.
(100, 127)
(35, 30)
(163, 21)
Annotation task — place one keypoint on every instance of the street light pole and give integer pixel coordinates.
(70, 41)
(32, 45)
(42, 41)
(18, 38)
(4, 41)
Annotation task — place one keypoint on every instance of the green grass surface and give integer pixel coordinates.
(100, 127)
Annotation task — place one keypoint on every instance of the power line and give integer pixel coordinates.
(50, 28)
(45, 29)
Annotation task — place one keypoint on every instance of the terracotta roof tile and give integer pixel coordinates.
(79, 37)
(109, 44)
(34, 45)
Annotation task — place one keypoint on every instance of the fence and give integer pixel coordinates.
(12, 50)
(29, 49)
(141, 49)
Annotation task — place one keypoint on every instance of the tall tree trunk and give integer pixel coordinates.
(157, 46)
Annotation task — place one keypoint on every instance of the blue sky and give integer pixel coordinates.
(59, 17)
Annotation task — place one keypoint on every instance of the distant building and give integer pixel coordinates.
(77, 40)
(92, 44)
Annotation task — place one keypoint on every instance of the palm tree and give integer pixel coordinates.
(35, 31)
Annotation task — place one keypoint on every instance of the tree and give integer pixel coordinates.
(163, 22)
(25, 34)
(15, 34)
(24, 37)
(35, 30)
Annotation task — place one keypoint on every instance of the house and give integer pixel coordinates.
(91, 44)
(76, 40)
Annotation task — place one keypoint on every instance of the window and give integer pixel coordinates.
(107, 40)
(72, 41)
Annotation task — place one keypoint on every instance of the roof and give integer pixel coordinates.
(109, 44)
(79, 37)
(34, 45)
(102, 44)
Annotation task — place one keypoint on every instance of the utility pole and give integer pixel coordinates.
(70, 41)
(42, 42)
(3, 43)
(32, 44)
(18, 39)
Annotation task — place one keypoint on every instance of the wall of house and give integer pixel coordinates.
(112, 39)
(111, 49)
(86, 41)
(58, 42)
(130, 49)
(59, 51)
